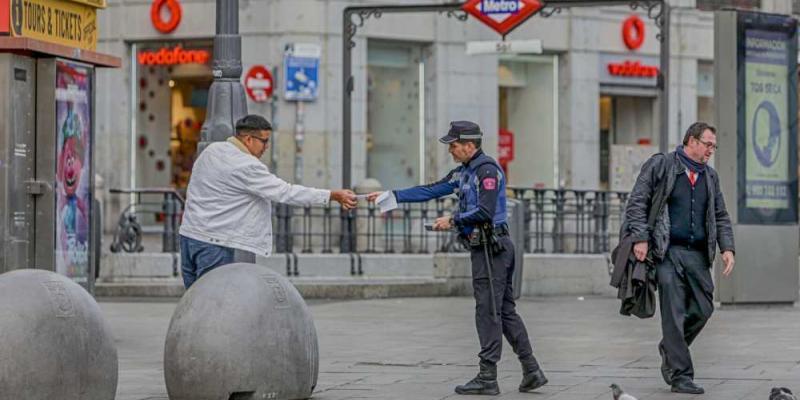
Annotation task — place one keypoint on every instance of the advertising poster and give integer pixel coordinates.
(73, 169)
(768, 132)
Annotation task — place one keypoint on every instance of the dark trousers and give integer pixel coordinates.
(686, 294)
(198, 258)
(510, 325)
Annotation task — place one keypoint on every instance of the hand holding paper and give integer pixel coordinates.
(385, 200)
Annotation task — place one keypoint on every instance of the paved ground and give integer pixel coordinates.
(421, 348)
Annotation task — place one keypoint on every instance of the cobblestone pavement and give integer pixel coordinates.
(420, 348)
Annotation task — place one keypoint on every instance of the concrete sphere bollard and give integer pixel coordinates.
(54, 341)
(241, 332)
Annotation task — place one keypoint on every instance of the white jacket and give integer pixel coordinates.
(230, 195)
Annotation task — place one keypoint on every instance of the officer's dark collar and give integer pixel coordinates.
(474, 156)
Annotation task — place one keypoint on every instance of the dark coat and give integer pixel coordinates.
(635, 281)
(718, 223)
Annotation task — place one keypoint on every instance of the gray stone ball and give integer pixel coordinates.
(54, 341)
(241, 332)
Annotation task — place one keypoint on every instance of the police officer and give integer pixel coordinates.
(481, 223)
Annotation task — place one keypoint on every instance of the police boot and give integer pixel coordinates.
(532, 376)
(484, 383)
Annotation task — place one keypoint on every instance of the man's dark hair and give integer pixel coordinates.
(476, 142)
(696, 131)
(252, 125)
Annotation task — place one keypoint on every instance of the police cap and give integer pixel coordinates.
(461, 130)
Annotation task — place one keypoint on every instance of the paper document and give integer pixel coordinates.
(386, 201)
(361, 196)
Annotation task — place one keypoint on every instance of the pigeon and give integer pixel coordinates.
(781, 393)
(618, 394)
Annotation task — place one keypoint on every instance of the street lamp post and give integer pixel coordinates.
(226, 98)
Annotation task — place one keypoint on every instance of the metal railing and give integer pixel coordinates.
(556, 221)
(166, 213)
(571, 221)
(362, 230)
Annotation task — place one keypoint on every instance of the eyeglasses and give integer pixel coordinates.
(709, 145)
(263, 141)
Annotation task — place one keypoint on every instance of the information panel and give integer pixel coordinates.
(767, 129)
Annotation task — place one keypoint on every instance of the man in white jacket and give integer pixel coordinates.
(229, 200)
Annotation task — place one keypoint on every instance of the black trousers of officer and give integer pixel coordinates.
(510, 325)
(686, 294)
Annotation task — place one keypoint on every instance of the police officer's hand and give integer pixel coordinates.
(442, 223)
(640, 250)
(728, 260)
(372, 196)
(345, 197)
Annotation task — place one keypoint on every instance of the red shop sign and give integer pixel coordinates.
(505, 148)
(633, 32)
(173, 56)
(632, 69)
(174, 8)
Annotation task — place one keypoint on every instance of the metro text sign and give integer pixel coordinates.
(503, 15)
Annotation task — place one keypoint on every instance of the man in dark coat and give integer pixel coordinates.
(683, 243)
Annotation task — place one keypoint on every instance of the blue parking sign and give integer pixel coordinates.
(301, 72)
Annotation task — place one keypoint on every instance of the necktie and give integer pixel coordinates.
(692, 177)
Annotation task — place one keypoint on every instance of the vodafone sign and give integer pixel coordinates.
(173, 56)
(633, 32)
(502, 15)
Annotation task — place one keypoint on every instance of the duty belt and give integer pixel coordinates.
(473, 240)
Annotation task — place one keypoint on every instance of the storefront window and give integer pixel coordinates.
(528, 111)
(393, 112)
(173, 80)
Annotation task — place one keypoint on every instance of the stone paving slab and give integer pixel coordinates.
(420, 348)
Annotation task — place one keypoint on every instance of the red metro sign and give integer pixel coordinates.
(503, 15)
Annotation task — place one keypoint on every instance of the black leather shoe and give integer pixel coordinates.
(532, 381)
(666, 371)
(485, 383)
(687, 386)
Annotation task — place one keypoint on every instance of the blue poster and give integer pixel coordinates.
(301, 77)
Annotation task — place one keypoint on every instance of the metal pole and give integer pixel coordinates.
(273, 115)
(663, 94)
(226, 98)
(421, 88)
(134, 110)
(299, 137)
(347, 93)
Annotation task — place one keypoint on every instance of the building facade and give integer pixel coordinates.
(582, 114)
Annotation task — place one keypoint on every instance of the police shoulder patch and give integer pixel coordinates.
(489, 183)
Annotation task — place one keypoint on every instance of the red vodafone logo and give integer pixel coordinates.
(634, 69)
(174, 8)
(633, 32)
(502, 15)
(258, 83)
(173, 56)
